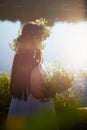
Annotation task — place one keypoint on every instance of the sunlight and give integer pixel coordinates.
(77, 45)
(69, 44)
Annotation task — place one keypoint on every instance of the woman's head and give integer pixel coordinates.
(35, 30)
(33, 33)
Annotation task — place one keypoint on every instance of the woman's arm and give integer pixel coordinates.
(38, 57)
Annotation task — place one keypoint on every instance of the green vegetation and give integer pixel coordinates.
(4, 98)
(70, 114)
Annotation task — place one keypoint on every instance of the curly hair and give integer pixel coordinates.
(30, 33)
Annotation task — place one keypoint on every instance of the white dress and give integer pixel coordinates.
(30, 107)
(31, 113)
(33, 107)
(42, 112)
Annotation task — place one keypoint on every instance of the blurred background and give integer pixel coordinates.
(66, 47)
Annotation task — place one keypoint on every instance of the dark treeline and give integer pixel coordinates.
(52, 10)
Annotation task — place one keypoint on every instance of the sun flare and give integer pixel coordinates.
(77, 45)
(70, 44)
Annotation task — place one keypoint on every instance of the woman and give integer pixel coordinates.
(27, 81)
